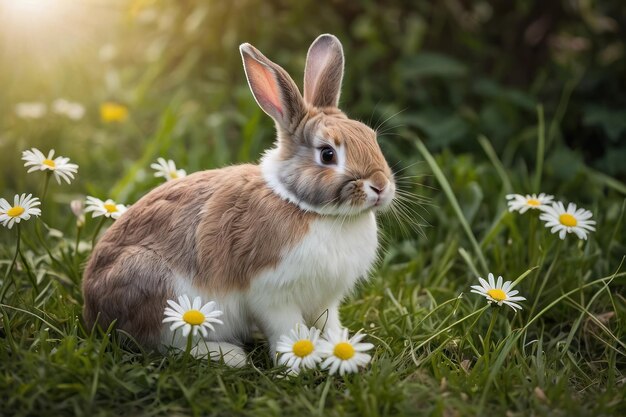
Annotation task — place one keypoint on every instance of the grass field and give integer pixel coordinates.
(440, 350)
(169, 89)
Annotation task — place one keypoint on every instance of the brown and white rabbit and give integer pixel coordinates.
(274, 244)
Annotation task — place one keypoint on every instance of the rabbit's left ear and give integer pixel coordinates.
(273, 88)
(324, 72)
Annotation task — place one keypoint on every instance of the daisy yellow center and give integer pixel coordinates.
(15, 211)
(344, 350)
(110, 208)
(173, 174)
(533, 202)
(497, 294)
(193, 317)
(49, 163)
(568, 220)
(302, 348)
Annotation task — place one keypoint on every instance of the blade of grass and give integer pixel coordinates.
(468, 260)
(568, 89)
(494, 229)
(493, 157)
(604, 179)
(445, 185)
(21, 310)
(445, 329)
(585, 311)
(541, 145)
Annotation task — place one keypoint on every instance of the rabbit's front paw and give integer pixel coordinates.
(232, 355)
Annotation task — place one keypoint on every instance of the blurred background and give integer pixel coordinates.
(114, 84)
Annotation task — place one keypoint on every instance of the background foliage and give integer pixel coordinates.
(446, 72)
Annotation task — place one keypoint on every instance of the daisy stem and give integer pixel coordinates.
(486, 341)
(95, 233)
(546, 277)
(44, 191)
(43, 241)
(31, 277)
(188, 349)
(6, 276)
(531, 240)
(38, 232)
(46, 182)
(17, 251)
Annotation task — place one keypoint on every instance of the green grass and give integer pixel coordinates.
(563, 354)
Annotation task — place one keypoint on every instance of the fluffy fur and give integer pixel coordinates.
(273, 244)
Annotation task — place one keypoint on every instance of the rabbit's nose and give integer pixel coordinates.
(378, 182)
(376, 189)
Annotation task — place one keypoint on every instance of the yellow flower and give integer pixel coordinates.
(113, 113)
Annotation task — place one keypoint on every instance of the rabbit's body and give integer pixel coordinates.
(274, 244)
(206, 234)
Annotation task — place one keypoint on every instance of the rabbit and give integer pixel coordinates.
(275, 245)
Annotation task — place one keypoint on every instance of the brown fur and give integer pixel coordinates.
(247, 230)
(222, 227)
(129, 284)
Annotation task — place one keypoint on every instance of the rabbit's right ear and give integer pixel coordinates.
(323, 72)
(273, 89)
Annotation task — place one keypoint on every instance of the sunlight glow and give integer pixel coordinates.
(31, 13)
(37, 32)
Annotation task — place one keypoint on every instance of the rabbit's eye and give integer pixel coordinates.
(328, 155)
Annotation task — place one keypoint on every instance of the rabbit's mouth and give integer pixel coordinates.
(373, 193)
(382, 201)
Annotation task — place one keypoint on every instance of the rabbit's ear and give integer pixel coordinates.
(273, 89)
(323, 72)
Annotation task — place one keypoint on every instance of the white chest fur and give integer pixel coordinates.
(313, 276)
(323, 268)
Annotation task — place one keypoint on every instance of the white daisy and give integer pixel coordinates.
(192, 317)
(108, 208)
(23, 207)
(72, 110)
(167, 169)
(31, 110)
(60, 165)
(299, 348)
(521, 203)
(342, 353)
(568, 221)
(497, 292)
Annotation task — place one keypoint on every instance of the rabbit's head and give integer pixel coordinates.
(323, 161)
